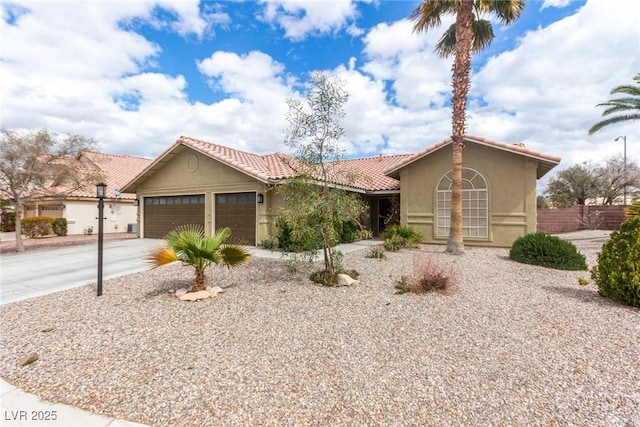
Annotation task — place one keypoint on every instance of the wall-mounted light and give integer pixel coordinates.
(260, 198)
(136, 202)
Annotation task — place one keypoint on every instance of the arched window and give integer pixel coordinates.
(475, 205)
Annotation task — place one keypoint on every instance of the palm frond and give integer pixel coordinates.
(507, 11)
(613, 120)
(233, 255)
(161, 256)
(430, 12)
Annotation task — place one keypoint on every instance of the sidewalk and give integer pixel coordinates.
(20, 409)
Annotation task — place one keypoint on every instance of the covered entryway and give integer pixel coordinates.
(165, 213)
(237, 211)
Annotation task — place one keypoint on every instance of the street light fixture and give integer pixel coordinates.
(101, 190)
(624, 184)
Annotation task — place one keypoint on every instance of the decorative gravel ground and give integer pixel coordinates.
(515, 345)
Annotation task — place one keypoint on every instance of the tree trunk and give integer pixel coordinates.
(199, 283)
(461, 68)
(19, 209)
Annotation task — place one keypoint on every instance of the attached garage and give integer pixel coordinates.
(163, 214)
(237, 211)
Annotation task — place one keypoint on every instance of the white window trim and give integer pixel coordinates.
(475, 219)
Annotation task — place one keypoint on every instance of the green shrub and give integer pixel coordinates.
(7, 221)
(376, 251)
(547, 251)
(397, 237)
(36, 226)
(617, 273)
(428, 276)
(59, 226)
(270, 243)
(349, 231)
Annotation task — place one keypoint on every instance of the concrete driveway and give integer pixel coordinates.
(37, 273)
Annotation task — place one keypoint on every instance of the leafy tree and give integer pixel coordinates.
(573, 186)
(627, 107)
(34, 164)
(189, 245)
(313, 200)
(615, 179)
(468, 35)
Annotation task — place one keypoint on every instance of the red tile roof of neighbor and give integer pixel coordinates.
(113, 170)
(373, 174)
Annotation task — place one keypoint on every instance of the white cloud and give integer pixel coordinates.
(551, 82)
(554, 3)
(299, 18)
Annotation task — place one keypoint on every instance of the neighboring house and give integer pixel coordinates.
(197, 182)
(79, 206)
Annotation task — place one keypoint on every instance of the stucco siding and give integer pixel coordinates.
(511, 189)
(193, 173)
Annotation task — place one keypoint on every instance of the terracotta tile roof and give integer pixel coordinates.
(116, 170)
(265, 168)
(361, 174)
(546, 162)
(368, 174)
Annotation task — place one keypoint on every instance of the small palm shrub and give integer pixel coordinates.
(617, 272)
(36, 226)
(428, 276)
(59, 226)
(189, 245)
(547, 251)
(397, 237)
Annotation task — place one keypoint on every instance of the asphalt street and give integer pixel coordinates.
(33, 274)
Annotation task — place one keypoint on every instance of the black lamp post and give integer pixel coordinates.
(100, 193)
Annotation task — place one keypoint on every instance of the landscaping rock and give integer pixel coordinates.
(27, 360)
(195, 296)
(346, 280)
(180, 292)
(215, 289)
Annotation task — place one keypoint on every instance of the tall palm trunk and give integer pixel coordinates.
(461, 68)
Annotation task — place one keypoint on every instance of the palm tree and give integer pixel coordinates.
(629, 106)
(468, 35)
(189, 245)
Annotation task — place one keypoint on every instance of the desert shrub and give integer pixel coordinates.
(617, 272)
(269, 242)
(36, 226)
(397, 237)
(59, 226)
(428, 276)
(348, 231)
(7, 220)
(633, 209)
(547, 251)
(376, 251)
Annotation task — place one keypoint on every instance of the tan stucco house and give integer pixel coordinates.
(198, 182)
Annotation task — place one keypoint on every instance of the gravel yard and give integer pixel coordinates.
(515, 345)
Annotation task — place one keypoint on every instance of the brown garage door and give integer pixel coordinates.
(163, 214)
(237, 211)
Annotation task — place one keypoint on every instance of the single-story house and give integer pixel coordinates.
(198, 182)
(79, 206)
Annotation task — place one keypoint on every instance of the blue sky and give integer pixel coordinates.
(136, 75)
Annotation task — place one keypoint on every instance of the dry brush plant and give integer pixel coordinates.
(428, 276)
